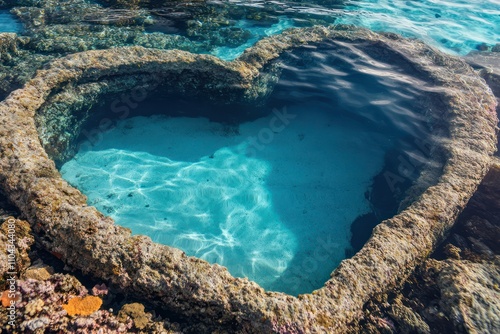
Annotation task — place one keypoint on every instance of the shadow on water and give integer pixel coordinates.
(377, 96)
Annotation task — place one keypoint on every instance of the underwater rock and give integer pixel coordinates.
(17, 63)
(146, 3)
(469, 287)
(452, 290)
(407, 320)
(217, 35)
(447, 296)
(56, 28)
(10, 46)
(6, 209)
(192, 288)
(470, 295)
(477, 231)
(16, 240)
(482, 47)
(488, 64)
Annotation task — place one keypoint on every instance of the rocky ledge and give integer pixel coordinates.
(55, 28)
(462, 110)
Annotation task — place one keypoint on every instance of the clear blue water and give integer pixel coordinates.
(271, 198)
(454, 26)
(258, 32)
(188, 184)
(8, 22)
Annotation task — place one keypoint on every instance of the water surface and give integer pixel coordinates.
(271, 196)
(454, 26)
(8, 22)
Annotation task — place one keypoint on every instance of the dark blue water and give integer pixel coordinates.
(273, 197)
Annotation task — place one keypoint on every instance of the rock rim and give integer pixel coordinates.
(87, 240)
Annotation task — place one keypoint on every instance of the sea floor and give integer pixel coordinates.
(271, 201)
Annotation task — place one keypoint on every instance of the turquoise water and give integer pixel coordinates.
(8, 22)
(258, 32)
(187, 183)
(273, 197)
(454, 26)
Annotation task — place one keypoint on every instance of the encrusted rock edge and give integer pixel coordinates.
(87, 240)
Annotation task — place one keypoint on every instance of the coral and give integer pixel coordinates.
(136, 312)
(45, 307)
(34, 306)
(100, 289)
(7, 298)
(37, 323)
(40, 273)
(83, 305)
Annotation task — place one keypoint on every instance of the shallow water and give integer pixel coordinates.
(257, 33)
(271, 198)
(454, 26)
(8, 22)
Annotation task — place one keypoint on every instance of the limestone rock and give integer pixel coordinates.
(16, 239)
(471, 295)
(408, 320)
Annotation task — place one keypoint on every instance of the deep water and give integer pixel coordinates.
(270, 193)
(8, 22)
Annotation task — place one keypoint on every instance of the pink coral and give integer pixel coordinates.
(100, 290)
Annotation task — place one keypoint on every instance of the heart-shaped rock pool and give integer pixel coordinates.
(276, 165)
(269, 192)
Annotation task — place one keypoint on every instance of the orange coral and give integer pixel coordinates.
(6, 299)
(83, 306)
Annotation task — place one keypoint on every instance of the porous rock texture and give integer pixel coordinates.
(471, 295)
(469, 283)
(457, 289)
(55, 28)
(488, 66)
(85, 239)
